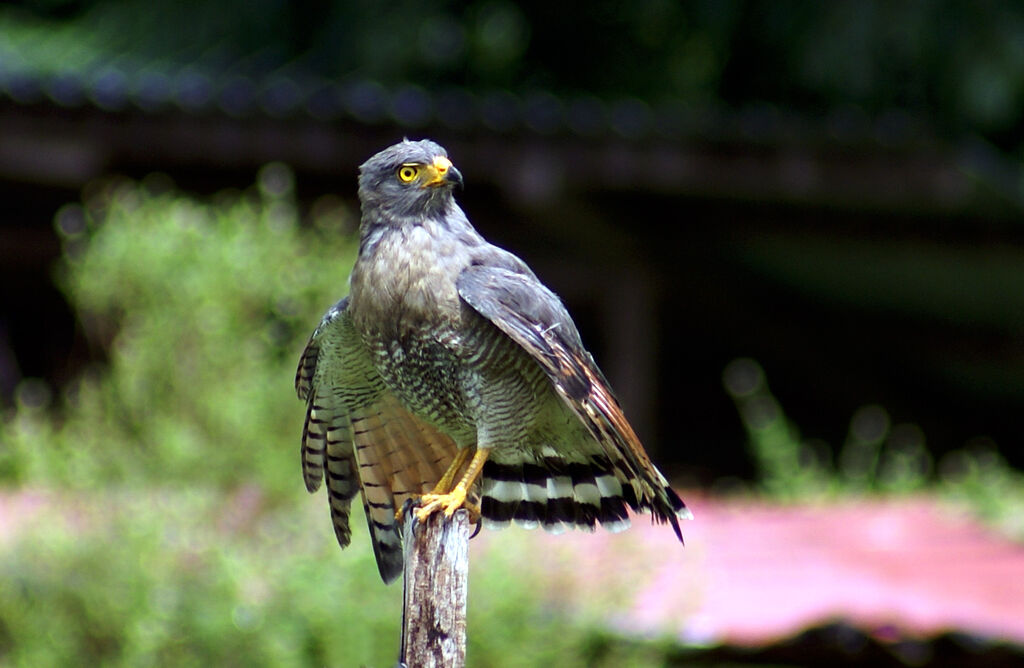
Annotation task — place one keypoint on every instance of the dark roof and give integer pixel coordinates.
(843, 156)
(189, 89)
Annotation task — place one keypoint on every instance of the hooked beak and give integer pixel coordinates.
(442, 172)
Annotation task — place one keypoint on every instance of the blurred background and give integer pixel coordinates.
(790, 232)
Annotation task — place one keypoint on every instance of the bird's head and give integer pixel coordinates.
(409, 180)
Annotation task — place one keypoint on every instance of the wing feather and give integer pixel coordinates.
(533, 316)
(360, 437)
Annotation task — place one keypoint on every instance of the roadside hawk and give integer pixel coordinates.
(450, 364)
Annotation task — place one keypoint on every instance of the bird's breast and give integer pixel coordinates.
(407, 279)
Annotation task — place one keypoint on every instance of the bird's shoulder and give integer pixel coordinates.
(319, 340)
(487, 259)
(335, 353)
(502, 287)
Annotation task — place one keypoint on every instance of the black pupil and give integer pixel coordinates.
(407, 172)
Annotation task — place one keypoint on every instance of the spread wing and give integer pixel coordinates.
(360, 437)
(534, 317)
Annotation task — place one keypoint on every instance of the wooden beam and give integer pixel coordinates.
(436, 583)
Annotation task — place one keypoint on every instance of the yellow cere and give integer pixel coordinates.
(442, 164)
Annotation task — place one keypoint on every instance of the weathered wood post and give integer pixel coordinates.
(435, 583)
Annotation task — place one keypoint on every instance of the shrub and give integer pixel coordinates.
(174, 528)
(202, 311)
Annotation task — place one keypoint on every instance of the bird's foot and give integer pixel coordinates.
(449, 503)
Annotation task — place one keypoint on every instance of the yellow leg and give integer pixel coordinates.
(456, 498)
(444, 485)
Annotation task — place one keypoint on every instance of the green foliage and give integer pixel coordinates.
(787, 466)
(202, 311)
(979, 478)
(162, 577)
(170, 525)
(957, 62)
(877, 457)
(528, 612)
(168, 578)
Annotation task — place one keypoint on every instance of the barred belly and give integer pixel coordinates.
(456, 380)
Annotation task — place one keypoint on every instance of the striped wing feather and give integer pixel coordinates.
(533, 316)
(399, 456)
(363, 439)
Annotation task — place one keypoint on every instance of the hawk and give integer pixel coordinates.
(451, 374)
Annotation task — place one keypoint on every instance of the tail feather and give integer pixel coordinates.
(340, 510)
(399, 457)
(386, 540)
(342, 481)
(314, 445)
(553, 494)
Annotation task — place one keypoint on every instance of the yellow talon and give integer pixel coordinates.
(456, 498)
(443, 486)
(448, 502)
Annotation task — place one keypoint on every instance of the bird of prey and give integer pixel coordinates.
(451, 374)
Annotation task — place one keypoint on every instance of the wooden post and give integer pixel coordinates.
(435, 582)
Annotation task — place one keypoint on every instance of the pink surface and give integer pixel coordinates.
(753, 573)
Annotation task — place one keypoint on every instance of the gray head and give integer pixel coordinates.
(411, 179)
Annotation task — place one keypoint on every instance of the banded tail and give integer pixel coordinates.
(557, 495)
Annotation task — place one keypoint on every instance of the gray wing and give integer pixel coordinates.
(326, 416)
(534, 317)
(361, 438)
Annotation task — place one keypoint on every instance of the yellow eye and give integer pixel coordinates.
(408, 173)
